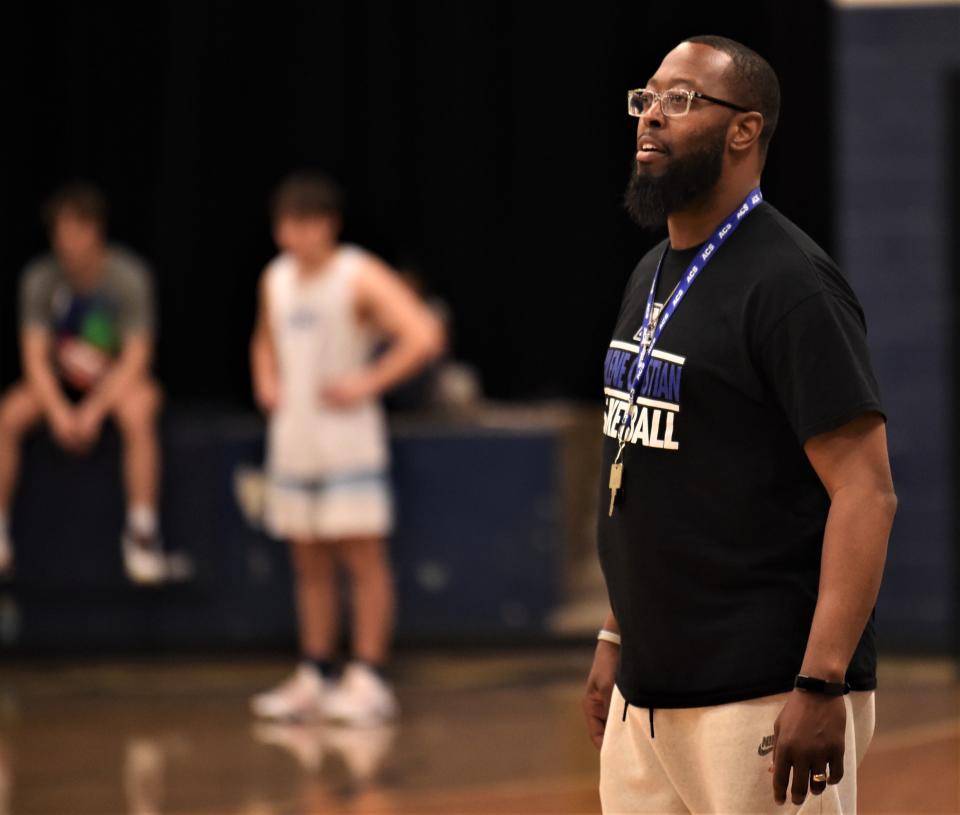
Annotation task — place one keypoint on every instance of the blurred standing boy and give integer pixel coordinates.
(323, 306)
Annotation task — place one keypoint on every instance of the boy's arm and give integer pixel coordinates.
(36, 340)
(416, 335)
(132, 364)
(136, 325)
(38, 371)
(263, 361)
(40, 377)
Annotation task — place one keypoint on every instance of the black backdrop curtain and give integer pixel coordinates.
(484, 145)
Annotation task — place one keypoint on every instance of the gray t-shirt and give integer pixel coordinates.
(88, 327)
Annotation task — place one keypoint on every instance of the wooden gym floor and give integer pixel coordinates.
(480, 733)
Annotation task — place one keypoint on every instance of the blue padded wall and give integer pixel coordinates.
(895, 226)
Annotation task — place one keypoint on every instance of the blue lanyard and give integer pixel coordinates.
(649, 339)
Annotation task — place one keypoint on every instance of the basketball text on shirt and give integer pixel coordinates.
(658, 397)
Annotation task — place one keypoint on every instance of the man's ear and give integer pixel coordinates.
(745, 130)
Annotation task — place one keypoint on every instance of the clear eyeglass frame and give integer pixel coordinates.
(674, 103)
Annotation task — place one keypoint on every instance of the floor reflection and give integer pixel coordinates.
(479, 734)
(171, 738)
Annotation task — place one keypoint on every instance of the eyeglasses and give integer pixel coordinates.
(674, 103)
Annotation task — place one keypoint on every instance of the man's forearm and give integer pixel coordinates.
(610, 624)
(854, 549)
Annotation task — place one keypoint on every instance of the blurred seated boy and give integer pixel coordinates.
(86, 334)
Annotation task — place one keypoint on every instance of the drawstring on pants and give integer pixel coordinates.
(623, 718)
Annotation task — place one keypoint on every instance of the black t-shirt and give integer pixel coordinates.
(712, 555)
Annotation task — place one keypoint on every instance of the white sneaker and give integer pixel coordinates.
(148, 564)
(302, 697)
(361, 698)
(143, 558)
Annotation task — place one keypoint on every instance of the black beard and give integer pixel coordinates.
(649, 199)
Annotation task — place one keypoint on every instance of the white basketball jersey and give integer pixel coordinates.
(318, 340)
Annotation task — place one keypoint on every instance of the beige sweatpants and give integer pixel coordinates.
(715, 759)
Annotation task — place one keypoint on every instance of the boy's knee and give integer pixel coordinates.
(17, 414)
(136, 411)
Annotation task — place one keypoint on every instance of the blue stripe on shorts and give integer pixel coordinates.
(360, 478)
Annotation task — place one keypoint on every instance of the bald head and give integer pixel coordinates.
(703, 144)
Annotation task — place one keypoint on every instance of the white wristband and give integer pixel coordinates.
(609, 636)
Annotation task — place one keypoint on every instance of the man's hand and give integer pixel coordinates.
(808, 735)
(348, 391)
(596, 696)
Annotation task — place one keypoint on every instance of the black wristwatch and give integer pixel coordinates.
(814, 685)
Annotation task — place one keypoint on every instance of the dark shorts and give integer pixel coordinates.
(74, 395)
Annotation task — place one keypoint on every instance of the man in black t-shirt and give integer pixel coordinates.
(747, 499)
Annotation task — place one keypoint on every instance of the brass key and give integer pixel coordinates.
(616, 479)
